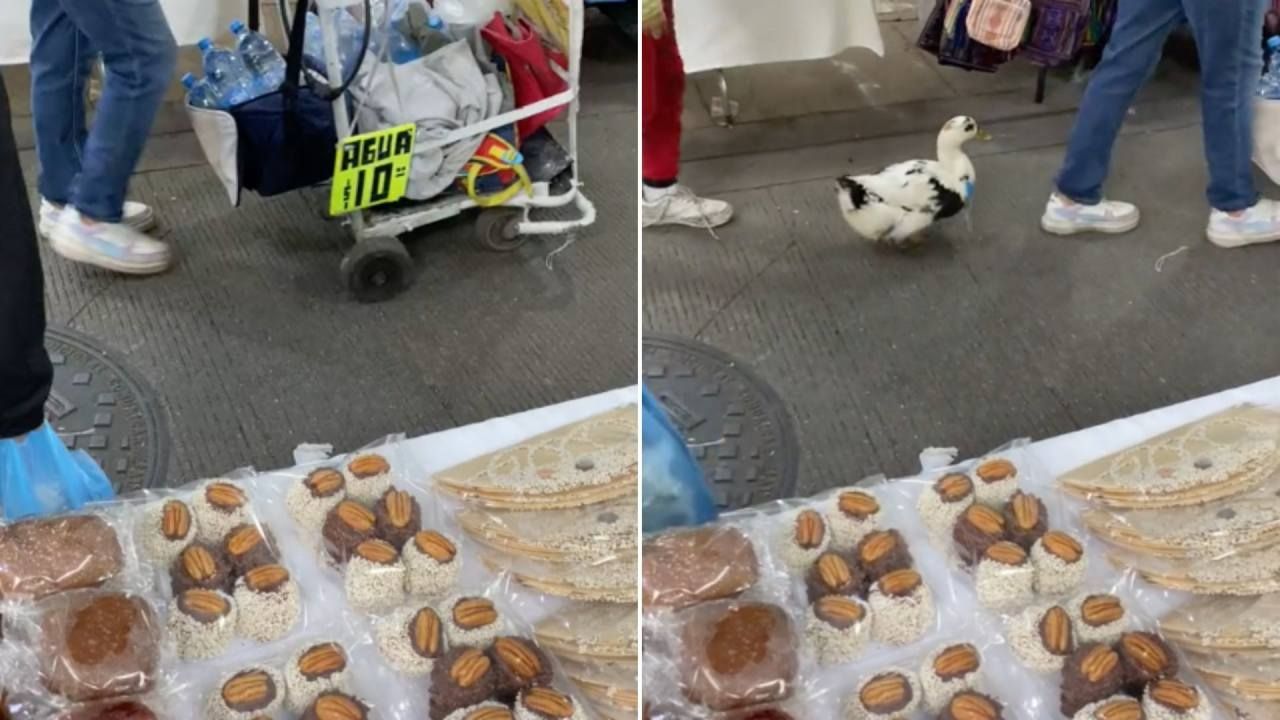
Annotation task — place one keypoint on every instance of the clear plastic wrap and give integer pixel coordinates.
(223, 639)
(737, 653)
(611, 580)
(687, 566)
(1250, 678)
(95, 644)
(585, 463)
(402, 546)
(1242, 523)
(1255, 572)
(591, 632)
(1014, 542)
(87, 549)
(588, 534)
(921, 681)
(855, 579)
(1216, 624)
(609, 687)
(1252, 709)
(226, 569)
(1224, 455)
(1086, 651)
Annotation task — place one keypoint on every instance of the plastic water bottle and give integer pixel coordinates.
(350, 39)
(1269, 86)
(401, 47)
(198, 92)
(436, 36)
(260, 57)
(230, 81)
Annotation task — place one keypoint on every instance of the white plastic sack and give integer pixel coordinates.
(440, 93)
(470, 12)
(216, 131)
(1266, 137)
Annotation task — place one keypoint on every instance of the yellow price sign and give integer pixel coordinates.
(371, 169)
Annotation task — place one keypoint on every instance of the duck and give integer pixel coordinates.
(896, 205)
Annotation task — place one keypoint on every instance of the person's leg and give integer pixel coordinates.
(662, 104)
(139, 55)
(25, 372)
(1134, 49)
(665, 201)
(60, 63)
(1230, 66)
(38, 474)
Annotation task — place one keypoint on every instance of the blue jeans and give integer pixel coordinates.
(1226, 34)
(89, 168)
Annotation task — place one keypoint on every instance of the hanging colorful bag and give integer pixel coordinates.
(496, 173)
(1000, 24)
(959, 50)
(1057, 33)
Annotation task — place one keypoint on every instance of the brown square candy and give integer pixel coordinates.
(686, 567)
(98, 645)
(737, 654)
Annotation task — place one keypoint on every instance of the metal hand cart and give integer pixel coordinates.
(377, 266)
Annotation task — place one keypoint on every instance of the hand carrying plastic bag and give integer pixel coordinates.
(674, 491)
(40, 476)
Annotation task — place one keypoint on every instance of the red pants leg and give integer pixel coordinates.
(661, 104)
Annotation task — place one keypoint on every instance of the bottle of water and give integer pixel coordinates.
(198, 94)
(350, 38)
(229, 80)
(401, 47)
(1269, 87)
(260, 57)
(436, 35)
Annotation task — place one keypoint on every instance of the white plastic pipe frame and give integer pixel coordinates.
(570, 98)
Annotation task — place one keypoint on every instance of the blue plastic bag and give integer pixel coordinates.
(40, 476)
(675, 493)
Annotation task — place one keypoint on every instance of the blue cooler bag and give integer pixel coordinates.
(281, 141)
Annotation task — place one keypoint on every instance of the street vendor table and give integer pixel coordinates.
(718, 34)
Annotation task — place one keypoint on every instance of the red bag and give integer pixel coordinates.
(529, 67)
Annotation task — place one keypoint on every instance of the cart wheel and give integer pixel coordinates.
(496, 229)
(377, 269)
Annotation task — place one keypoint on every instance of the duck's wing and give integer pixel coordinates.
(906, 184)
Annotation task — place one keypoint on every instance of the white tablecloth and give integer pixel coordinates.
(729, 33)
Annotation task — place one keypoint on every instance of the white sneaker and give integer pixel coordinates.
(679, 206)
(1258, 224)
(114, 246)
(1109, 216)
(136, 215)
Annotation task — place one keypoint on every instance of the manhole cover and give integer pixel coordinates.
(735, 424)
(100, 406)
